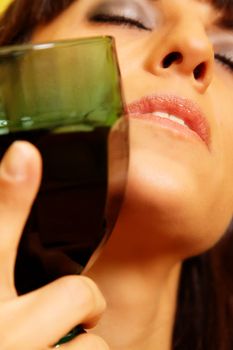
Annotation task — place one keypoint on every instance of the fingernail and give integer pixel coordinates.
(13, 163)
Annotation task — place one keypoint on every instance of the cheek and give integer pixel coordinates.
(222, 101)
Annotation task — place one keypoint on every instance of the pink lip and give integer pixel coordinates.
(184, 109)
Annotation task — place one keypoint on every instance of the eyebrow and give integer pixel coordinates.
(226, 20)
(225, 8)
(226, 17)
(225, 23)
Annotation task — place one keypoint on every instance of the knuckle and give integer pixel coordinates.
(11, 196)
(79, 292)
(7, 192)
(71, 285)
(99, 300)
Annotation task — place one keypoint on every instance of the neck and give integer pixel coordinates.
(141, 292)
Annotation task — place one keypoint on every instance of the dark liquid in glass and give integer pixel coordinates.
(69, 218)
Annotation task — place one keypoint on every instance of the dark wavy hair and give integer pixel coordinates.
(204, 316)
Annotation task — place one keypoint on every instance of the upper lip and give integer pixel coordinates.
(182, 108)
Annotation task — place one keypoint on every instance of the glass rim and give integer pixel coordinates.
(24, 47)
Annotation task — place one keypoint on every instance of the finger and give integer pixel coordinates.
(85, 342)
(20, 172)
(43, 317)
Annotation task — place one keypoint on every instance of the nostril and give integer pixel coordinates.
(173, 57)
(199, 71)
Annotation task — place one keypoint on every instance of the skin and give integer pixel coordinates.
(179, 192)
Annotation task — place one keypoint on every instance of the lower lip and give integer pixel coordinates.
(168, 124)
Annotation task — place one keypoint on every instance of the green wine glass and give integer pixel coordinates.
(65, 97)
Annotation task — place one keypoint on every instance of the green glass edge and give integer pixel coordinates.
(10, 49)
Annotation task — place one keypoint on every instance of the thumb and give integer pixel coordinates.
(20, 173)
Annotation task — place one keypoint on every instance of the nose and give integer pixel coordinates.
(183, 49)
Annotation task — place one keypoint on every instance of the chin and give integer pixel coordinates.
(167, 210)
(176, 201)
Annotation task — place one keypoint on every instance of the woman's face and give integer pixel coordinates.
(180, 99)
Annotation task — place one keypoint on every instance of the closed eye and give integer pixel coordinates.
(225, 60)
(118, 20)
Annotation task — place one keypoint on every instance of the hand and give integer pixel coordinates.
(39, 319)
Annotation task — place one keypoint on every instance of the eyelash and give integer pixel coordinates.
(225, 61)
(120, 20)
